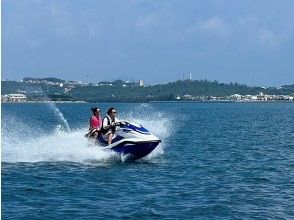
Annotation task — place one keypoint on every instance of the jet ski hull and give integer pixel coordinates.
(130, 140)
(135, 150)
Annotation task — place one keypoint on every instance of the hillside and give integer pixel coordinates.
(117, 91)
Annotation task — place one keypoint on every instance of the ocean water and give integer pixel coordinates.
(216, 161)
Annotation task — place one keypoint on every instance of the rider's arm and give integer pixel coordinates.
(117, 122)
(91, 123)
(100, 123)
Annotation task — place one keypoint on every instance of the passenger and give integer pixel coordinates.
(109, 124)
(95, 123)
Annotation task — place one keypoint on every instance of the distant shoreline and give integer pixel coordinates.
(225, 101)
(205, 101)
(32, 102)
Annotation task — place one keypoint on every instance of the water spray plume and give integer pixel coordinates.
(26, 143)
(59, 114)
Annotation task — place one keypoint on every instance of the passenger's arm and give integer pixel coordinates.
(100, 124)
(90, 124)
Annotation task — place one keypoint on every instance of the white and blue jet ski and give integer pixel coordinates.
(131, 140)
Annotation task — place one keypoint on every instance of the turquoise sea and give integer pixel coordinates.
(216, 161)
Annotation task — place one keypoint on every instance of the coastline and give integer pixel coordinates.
(162, 101)
(33, 102)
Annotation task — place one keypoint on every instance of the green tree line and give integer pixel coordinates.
(130, 93)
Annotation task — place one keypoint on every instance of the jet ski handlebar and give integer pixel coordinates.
(122, 123)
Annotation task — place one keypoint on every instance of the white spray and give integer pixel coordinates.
(26, 143)
(59, 114)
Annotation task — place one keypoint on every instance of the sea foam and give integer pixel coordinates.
(28, 143)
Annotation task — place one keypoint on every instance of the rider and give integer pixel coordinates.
(109, 123)
(95, 123)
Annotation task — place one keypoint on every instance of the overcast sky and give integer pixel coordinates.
(245, 41)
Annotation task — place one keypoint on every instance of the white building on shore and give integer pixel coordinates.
(14, 98)
(141, 83)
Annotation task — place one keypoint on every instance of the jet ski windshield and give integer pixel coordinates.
(126, 126)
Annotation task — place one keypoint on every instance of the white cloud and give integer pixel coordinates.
(34, 43)
(147, 20)
(257, 33)
(214, 26)
(151, 20)
(266, 37)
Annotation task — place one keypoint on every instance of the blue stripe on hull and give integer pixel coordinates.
(135, 150)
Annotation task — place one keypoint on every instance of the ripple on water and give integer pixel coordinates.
(218, 161)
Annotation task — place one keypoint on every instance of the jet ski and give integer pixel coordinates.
(130, 140)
